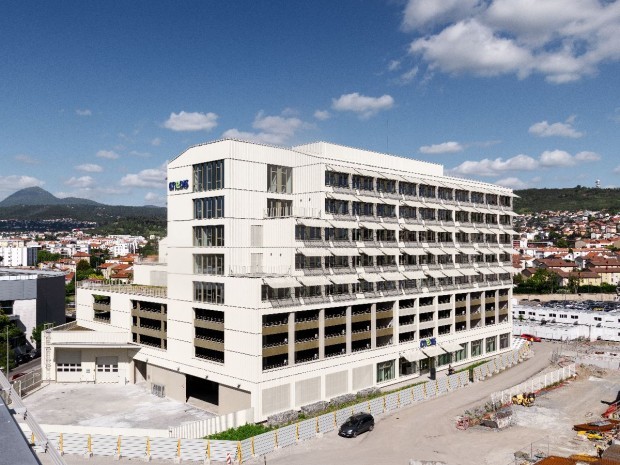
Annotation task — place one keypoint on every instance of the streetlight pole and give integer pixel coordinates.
(7, 351)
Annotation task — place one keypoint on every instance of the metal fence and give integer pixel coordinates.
(28, 383)
(536, 384)
(240, 451)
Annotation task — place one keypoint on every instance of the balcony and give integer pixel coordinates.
(460, 318)
(281, 303)
(335, 320)
(149, 331)
(341, 297)
(426, 324)
(475, 302)
(144, 313)
(217, 325)
(360, 335)
(335, 339)
(306, 344)
(360, 317)
(101, 307)
(315, 299)
(384, 314)
(280, 349)
(385, 331)
(275, 329)
(212, 344)
(307, 324)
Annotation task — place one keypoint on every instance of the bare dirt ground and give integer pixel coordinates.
(427, 431)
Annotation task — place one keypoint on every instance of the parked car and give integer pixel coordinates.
(357, 424)
(17, 376)
(529, 337)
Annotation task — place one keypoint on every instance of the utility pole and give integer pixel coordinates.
(7, 351)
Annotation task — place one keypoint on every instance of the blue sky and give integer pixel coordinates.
(97, 97)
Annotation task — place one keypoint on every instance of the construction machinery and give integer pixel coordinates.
(526, 399)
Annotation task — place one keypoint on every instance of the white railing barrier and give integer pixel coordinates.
(209, 426)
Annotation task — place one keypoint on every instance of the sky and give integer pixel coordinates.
(96, 97)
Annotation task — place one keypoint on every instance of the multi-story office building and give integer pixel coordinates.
(294, 275)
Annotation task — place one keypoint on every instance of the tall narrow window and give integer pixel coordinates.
(209, 176)
(280, 179)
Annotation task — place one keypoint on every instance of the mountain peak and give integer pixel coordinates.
(39, 196)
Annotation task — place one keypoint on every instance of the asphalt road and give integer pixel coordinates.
(26, 367)
(425, 431)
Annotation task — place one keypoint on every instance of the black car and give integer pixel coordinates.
(358, 423)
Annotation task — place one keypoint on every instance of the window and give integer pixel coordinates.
(307, 233)
(407, 212)
(598, 318)
(385, 210)
(407, 188)
(209, 176)
(337, 207)
(504, 340)
(385, 371)
(491, 344)
(426, 191)
(407, 368)
(576, 317)
(279, 208)
(209, 236)
(563, 316)
(209, 264)
(363, 183)
(476, 348)
(6, 307)
(69, 367)
(386, 185)
(363, 209)
(107, 368)
(209, 207)
(460, 354)
(336, 179)
(279, 179)
(209, 292)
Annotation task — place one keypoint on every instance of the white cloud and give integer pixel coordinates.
(274, 130)
(27, 159)
(89, 168)
(15, 182)
(393, 65)
(587, 156)
(109, 154)
(408, 76)
(154, 199)
(83, 112)
(191, 121)
(156, 142)
(563, 40)
(616, 170)
(361, 104)
(83, 182)
(566, 129)
(512, 183)
(547, 159)
(137, 153)
(151, 177)
(445, 147)
(552, 158)
(469, 46)
(420, 13)
(322, 115)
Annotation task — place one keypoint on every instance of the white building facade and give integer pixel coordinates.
(295, 275)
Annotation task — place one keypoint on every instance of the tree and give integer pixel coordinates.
(83, 270)
(47, 256)
(36, 335)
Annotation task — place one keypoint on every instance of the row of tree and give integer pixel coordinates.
(544, 281)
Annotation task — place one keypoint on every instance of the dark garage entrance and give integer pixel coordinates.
(202, 389)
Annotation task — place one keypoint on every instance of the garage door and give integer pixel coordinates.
(68, 366)
(107, 370)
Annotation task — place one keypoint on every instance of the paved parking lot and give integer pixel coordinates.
(108, 405)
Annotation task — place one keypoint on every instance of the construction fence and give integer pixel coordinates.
(28, 383)
(535, 384)
(196, 449)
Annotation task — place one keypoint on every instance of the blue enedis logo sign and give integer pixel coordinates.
(179, 185)
(428, 342)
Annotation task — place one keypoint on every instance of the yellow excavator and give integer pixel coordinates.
(527, 399)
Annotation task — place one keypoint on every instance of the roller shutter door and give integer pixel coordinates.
(68, 366)
(107, 370)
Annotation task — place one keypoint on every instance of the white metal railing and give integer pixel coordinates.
(276, 270)
(148, 291)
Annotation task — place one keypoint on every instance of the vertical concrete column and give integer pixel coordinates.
(468, 310)
(396, 322)
(291, 338)
(322, 333)
(373, 326)
(348, 329)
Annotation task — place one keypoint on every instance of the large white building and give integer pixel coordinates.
(294, 275)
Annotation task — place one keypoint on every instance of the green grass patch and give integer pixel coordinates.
(240, 433)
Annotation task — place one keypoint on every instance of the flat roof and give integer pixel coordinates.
(19, 452)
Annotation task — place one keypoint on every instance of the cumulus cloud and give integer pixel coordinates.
(27, 159)
(563, 40)
(566, 129)
(422, 13)
(393, 65)
(322, 115)
(363, 105)
(16, 182)
(150, 177)
(89, 168)
(408, 76)
(109, 154)
(512, 183)
(445, 147)
(154, 199)
(275, 130)
(156, 142)
(83, 182)
(499, 166)
(191, 121)
(83, 112)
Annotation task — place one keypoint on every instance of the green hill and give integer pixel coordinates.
(571, 199)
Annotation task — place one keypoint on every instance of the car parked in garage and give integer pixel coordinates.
(357, 424)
